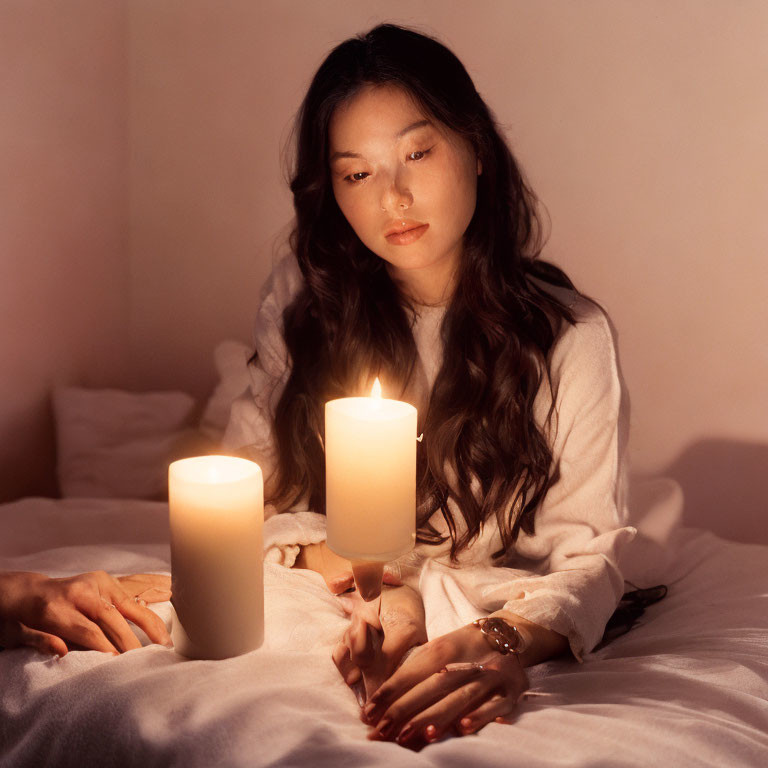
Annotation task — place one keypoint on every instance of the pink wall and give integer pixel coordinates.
(640, 124)
(63, 223)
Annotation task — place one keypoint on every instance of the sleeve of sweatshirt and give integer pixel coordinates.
(250, 431)
(582, 523)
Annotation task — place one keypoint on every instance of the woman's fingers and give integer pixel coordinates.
(514, 683)
(361, 645)
(124, 595)
(149, 587)
(419, 726)
(114, 626)
(347, 605)
(420, 665)
(354, 605)
(341, 583)
(439, 690)
(440, 703)
(142, 617)
(42, 641)
(14, 634)
(393, 648)
(347, 668)
(108, 605)
(86, 633)
(497, 706)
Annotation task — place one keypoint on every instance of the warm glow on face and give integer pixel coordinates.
(425, 174)
(376, 389)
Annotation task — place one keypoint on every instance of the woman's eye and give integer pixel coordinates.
(356, 178)
(419, 154)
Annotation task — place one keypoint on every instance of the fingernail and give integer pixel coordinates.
(369, 707)
(384, 727)
(431, 733)
(466, 724)
(406, 733)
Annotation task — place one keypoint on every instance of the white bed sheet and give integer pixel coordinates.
(687, 688)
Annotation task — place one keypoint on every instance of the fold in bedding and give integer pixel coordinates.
(689, 686)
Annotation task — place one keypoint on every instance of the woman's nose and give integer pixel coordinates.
(397, 197)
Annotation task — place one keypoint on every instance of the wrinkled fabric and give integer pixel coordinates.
(688, 687)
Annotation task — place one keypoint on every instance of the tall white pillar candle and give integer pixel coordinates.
(370, 473)
(217, 578)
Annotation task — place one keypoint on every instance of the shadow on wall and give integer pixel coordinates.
(725, 486)
(27, 451)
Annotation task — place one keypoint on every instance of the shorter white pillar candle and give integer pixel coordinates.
(217, 574)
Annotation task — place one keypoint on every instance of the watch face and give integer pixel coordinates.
(507, 636)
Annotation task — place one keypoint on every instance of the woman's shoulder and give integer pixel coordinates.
(283, 284)
(591, 320)
(280, 289)
(586, 348)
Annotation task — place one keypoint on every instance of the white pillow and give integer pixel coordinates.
(117, 444)
(231, 360)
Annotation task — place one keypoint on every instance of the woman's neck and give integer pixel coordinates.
(427, 286)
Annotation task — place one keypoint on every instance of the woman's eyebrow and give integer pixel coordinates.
(398, 135)
(412, 127)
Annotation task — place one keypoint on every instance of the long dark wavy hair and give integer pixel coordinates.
(350, 322)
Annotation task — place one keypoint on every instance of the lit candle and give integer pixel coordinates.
(217, 580)
(370, 473)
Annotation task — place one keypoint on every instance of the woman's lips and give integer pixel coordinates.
(408, 236)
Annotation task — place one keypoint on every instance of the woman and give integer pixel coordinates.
(414, 258)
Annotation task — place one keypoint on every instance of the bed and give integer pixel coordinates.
(687, 687)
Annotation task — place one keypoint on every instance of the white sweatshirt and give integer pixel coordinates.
(565, 577)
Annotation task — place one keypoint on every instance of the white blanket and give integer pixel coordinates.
(687, 688)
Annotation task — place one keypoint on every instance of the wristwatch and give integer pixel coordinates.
(501, 635)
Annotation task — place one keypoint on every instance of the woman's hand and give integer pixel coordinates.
(454, 684)
(90, 610)
(378, 637)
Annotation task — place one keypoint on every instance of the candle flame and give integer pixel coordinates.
(376, 389)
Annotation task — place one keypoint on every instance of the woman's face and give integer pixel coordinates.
(406, 183)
